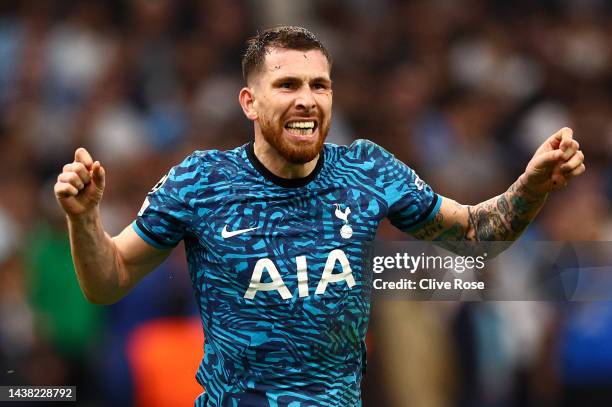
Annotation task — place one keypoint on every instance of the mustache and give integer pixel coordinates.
(304, 114)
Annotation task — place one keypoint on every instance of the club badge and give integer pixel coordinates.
(346, 231)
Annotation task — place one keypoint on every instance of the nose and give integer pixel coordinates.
(305, 99)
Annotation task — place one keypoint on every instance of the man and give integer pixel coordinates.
(274, 232)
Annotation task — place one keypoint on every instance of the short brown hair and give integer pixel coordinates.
(286, 37)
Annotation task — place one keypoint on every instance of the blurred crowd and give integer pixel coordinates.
(461, 91)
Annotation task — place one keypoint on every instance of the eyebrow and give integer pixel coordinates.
(318, 79)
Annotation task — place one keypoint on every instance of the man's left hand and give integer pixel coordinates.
(555, 163)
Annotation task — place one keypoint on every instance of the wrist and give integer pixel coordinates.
(85, 218)
(533, 192)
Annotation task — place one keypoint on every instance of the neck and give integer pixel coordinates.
(277, 164)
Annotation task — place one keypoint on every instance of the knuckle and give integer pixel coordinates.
(74, 178)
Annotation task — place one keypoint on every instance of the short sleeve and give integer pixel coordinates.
(410, 201)
(166, 214)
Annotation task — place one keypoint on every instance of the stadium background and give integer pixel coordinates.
(462, 91)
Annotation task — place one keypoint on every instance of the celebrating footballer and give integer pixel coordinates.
(274, 232)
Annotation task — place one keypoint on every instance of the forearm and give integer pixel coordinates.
(96, 259)
(504, 217)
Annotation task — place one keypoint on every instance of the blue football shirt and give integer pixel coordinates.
(277, 266)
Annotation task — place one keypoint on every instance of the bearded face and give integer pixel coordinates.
(298, 139)
(293, 100)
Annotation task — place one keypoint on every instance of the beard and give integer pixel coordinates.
(300, 152)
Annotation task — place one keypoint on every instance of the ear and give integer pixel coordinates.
(247, 102)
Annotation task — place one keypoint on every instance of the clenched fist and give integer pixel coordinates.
(555, 163)
(80, 186)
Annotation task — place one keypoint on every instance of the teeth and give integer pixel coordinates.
(299, 131)
(301, 125)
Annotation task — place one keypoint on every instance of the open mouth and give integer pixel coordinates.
(301, 127)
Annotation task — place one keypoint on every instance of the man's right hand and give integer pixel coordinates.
(80, 186)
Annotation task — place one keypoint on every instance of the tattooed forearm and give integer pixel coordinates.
(506, 216)
(487, 221)
(503, 218)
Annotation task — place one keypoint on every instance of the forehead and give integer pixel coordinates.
(289, 62)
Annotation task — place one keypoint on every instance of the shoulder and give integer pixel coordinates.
(360, 150)
(205, 162)
(205, 158)
(202, 170)
(364, 146)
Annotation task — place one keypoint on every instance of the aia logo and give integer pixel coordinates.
(266, 265)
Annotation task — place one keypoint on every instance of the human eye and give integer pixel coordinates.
(320, 86)
(285, 84)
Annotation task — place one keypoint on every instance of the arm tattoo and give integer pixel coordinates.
(503, 218)
(438, 229)
(506, 216)
(449, 235)
(431, 229)
(455, 232)
(453, 239)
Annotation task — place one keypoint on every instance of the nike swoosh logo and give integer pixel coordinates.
(227, 234)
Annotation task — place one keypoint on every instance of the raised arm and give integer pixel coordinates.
(107, 268)
(505, 217)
